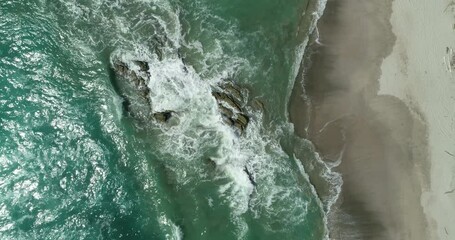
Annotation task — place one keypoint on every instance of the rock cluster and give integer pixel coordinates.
(231, 105)
(133, 88)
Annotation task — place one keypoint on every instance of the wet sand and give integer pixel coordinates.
(382, 143)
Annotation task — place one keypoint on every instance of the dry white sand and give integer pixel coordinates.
(421, 72)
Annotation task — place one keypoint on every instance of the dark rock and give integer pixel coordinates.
(126, 104)
(230, 99)
(222, 97)
(243, 119)
(132, 86)
(163, 116)
(241, 122)
(250, 176)
(144, 66)
(226, 111)
(233, 90)
(121, 68)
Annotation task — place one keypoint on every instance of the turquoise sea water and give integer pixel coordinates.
(73, 166)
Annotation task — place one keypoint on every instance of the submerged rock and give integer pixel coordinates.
(257, 105)
(241, 122)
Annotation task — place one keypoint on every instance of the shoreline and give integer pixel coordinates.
(380, 139)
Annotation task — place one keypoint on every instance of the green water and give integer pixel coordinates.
(73, 166)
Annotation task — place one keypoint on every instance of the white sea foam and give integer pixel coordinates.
(176, 87)
(173, 232)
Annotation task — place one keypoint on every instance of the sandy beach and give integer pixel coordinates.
(378, 93)
(421, 72)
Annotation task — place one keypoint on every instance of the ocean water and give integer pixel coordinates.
(74, 166)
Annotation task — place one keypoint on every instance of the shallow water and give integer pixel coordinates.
(73, 165)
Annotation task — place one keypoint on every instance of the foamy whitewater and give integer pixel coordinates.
(74, 164)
